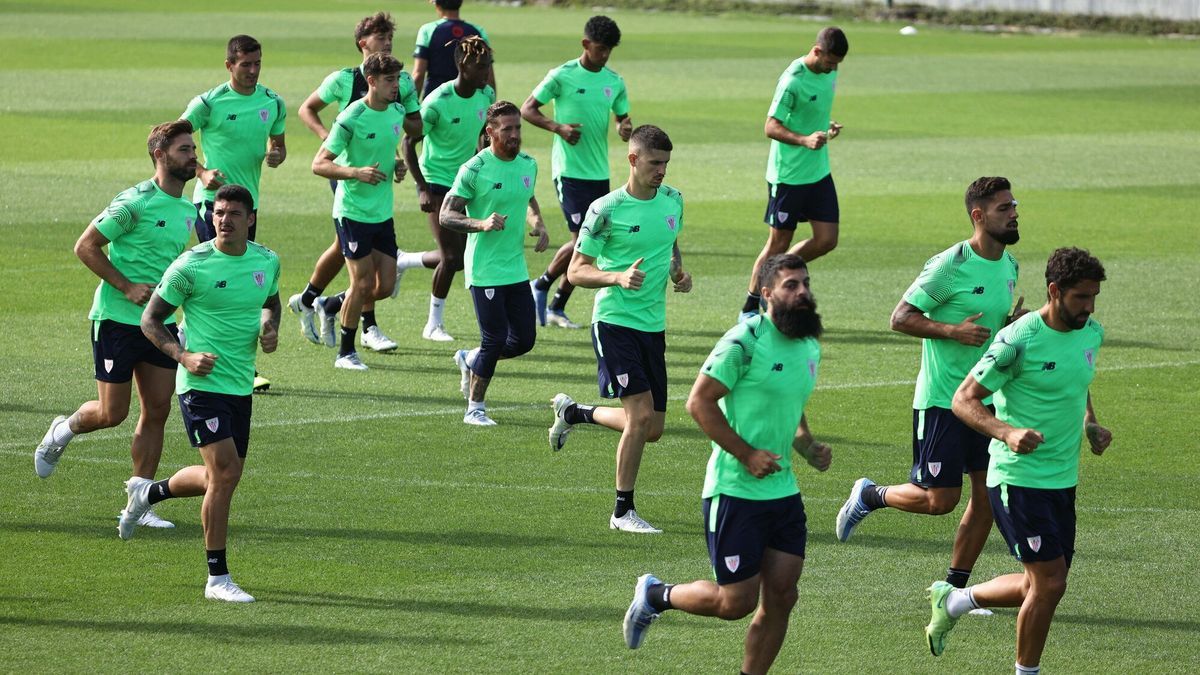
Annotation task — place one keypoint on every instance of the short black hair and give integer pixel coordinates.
(603, 30)
(768, 274)
(232, 192)
(833, 40)
(380, 64)
(1068, 266)
(983, 189)
(448, 4)
(650, 137)
(164, 134)
(240, 44)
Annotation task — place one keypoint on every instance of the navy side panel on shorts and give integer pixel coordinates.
(575, 195)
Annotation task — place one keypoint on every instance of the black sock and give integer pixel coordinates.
(368, 319)
(216, 563)
(659, 597)
(753, 303)
(310, 293)
(579, 414)
(559, 302)
(159, 490)
(873, 497)
(544, 282)
(333, 304)
(624, 503)
(347, 341)
(957, 578)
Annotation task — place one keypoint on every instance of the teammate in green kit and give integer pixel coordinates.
(228, 289)
(492, 193)
(584, 91)
(628, 249)
(372, 35)
(360, 153)
(433, 59)
(799, 185)
(749, 398)
(145, 228)
(959, 301)
(453, 117)
(240, 124)
(1039, 370)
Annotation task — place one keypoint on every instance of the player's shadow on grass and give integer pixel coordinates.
(1191, 627)
(234, 631)
(453, 607)
(460, 539)
(452, 397)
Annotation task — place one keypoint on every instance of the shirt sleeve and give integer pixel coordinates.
(274, 290)
(197, 112)
(593, 235)
(331, 88)
(730, 358)
(177, 282)
(120, 217)
(424, 34)
(408, 95)
(548, 89)
(464, 181)
(784, 101)
(429, 115)
(933, 287)
(1000, 363)
(620, 104)
(339, 136)
(281, 118)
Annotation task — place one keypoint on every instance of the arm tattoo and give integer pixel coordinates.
(272, 310)
(454, 215)
(156, 331)
(676, 260)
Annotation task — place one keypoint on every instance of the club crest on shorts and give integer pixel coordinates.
(732, 562)
(263, 114)
(489, 293)
(353, 246)
(576, 218)
(1035, 543)
(623, 379)
(108, 364)
(608, 92)
(935, 468)
(259, 278)
(781, 217)
(671, 222)
(526, 181)
(1090, 355)
(213, 423)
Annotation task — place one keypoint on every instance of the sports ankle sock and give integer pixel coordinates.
(159, 490)
(957, 577)
(216, 563)
(347, 341)
(368, 319)
(310, 293)
(579, 414)
(624, 503)
(659, 597)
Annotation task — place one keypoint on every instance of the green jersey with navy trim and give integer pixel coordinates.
(348, 85)
(362, 136)
(803, 101)
(582, 97)
(234, 129)
(452, 127)
(493, 185)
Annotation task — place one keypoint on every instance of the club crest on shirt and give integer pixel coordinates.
(489, 293)
(671, 222)
(526, 181)
(1035, 543)
(190, 222)
(935, 468)
(259, 278)
(623, 379)
(263, 114)
(1090, 355)
(812, 368)
(396, 130)
(1012, 286)
(108, 364)
(213, 423)
(479, 114)
(608, 92)
(732, 562)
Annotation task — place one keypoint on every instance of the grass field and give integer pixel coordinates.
(379, 533)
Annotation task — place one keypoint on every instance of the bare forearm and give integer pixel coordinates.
(587, 275)
(157, 310)
(453, 216)
(326, 168)
(271, 312)
(312, 120)
(409, 144)
(94, 259)
(910, 321)
(975, 415)
(776, 131)
(712, 422)
(532, 112)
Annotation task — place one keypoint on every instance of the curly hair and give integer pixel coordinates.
(376, 24)
(1068, 266)
(380, 64)
(473, 49)
(602, 30)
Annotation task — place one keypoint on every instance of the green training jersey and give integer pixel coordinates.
(493, 185)
(452, 127)
(769, 377)
(234, 129)
(803, 102)
(582, 97)
(146, 229)
(362, 136)
(955, 284)
(1041, 378)
(348, 85)
(222, 297)
(619, 229)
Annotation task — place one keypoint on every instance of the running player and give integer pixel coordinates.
(434, 61)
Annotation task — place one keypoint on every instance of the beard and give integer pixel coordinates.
(1073, 321)
(182, 172)
(798, 320)
(1006, 236)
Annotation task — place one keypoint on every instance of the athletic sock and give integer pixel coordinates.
(872, 497)
(159, 490)
(436, 307)
(310, 294)
(624, 503)
(472, 406)
(544, 282)
(957, 577)
(579, 414)
(347, 341)
(559, 302)
(407, 261)
(333, 304)
(61, 433)
(659, 597)
(753, 303)
(1027, 670)
(216, 563)
(368, 319)
(960, 601)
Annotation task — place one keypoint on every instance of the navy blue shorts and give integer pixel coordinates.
(791, 204)
(575, 195)
(630, 361)
(739, 532)
(507, 324)
(209, 418)
(118, 347)
(436, 189)
(204, 225)
(1037, 524)
(944, 448)
(358, 239)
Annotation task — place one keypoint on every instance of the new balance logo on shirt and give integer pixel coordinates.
(232, 117)
(161, 223)
(498, 186)
(778, 367)
(635, 228)
(581, 91)
(1049, 365)
(220, 284)
(456, 120)
(978, 290)
(370, 135)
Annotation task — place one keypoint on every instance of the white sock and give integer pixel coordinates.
(472, 406)
(1028, 670)
(436, 307)
(407, 261)
(960, 602)
(220, 578)
(61, 434)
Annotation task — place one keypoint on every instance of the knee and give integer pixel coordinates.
(363, 287)
(452, 259)
(156, 411)
(524, 344)
(113, 415)
(779, 241)
(824, 242)
(941, 502)
(655, 432)
(642, 423)
(383, 288)
(734, 608)
(224, 477)
(1054, 588)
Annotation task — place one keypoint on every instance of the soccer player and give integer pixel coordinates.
(434, 61)
(372, 35)
(959, 301)
(452, 117)
(229, 291)
(241, 124)
(1039, 369)
(145, 228)
(799, 185)
(584, 90)
(749, 399)
(493, 188)
(628, 249)
(360, 154)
